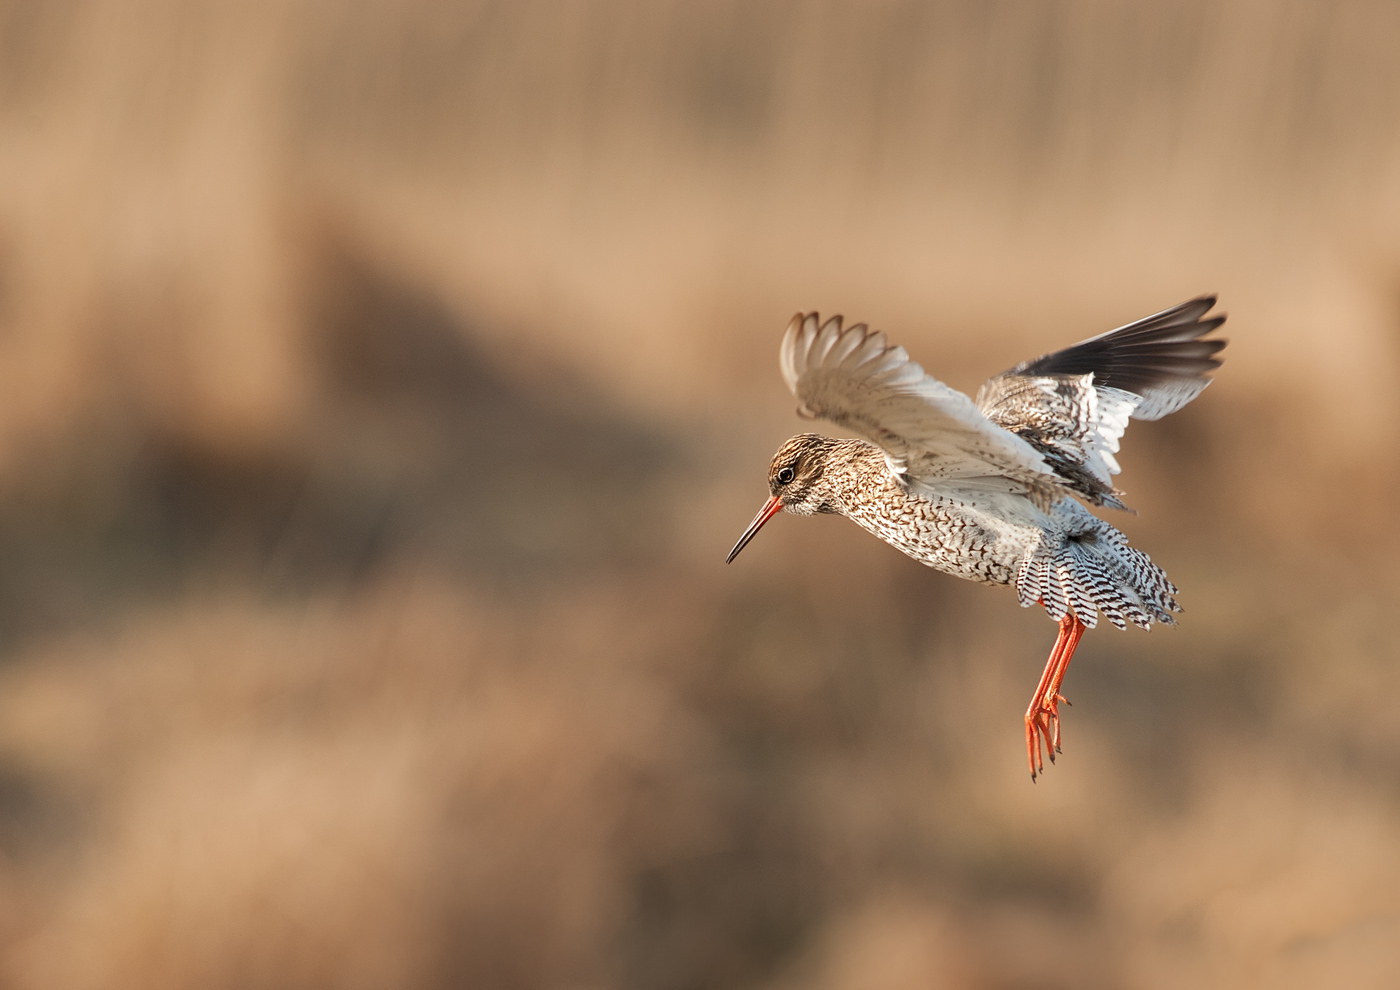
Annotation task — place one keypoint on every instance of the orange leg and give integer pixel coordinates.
(1054, 697)
(1043, 713)
(1035, 713)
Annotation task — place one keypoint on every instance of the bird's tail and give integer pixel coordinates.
(1093, 569)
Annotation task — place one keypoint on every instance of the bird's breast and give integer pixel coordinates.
(961, 538)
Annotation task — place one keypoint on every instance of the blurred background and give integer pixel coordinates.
(382, 384)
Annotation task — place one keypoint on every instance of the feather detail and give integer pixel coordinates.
(1090, 568)
(1074, 405)
(931, 434)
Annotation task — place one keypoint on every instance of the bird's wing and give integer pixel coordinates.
(932, 435)
(1073, 405)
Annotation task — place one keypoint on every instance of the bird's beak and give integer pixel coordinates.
(764, 514)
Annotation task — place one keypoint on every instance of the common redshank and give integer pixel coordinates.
(988, 490)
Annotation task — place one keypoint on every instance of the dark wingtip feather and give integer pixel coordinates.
(1161, 349)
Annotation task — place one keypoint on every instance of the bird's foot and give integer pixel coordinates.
(1043, 714)
(1042, 734)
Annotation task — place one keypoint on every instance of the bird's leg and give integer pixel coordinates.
(1043, 714)
(1035, 713)
(1054, 697)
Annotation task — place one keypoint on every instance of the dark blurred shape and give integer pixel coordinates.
(493, 476)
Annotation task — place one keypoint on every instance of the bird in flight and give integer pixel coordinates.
(991, 489)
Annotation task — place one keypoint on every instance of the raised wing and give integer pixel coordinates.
(1073, 405)
(932, 435)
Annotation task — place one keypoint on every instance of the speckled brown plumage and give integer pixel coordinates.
(1062, 556)
(988, 491)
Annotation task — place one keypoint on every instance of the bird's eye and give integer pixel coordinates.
(786, 475)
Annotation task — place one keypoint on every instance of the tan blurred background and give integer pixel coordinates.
(382, 384)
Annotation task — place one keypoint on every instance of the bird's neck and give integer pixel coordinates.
(855, 471)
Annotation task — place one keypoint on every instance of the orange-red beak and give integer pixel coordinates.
(764, 514)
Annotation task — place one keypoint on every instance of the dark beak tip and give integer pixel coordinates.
(764, 514)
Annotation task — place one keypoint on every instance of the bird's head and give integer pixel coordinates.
(795, 476)
(796, 480)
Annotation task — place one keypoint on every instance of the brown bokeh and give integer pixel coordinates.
(382, 384)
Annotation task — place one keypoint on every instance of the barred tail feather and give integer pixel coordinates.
(1054, 597)
(1102, 586)
(1077, 590)
(1027, 582)
(1094, 570)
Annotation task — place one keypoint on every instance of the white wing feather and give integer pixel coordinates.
(1090, 420)
(931, 434)
(1113, 408)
